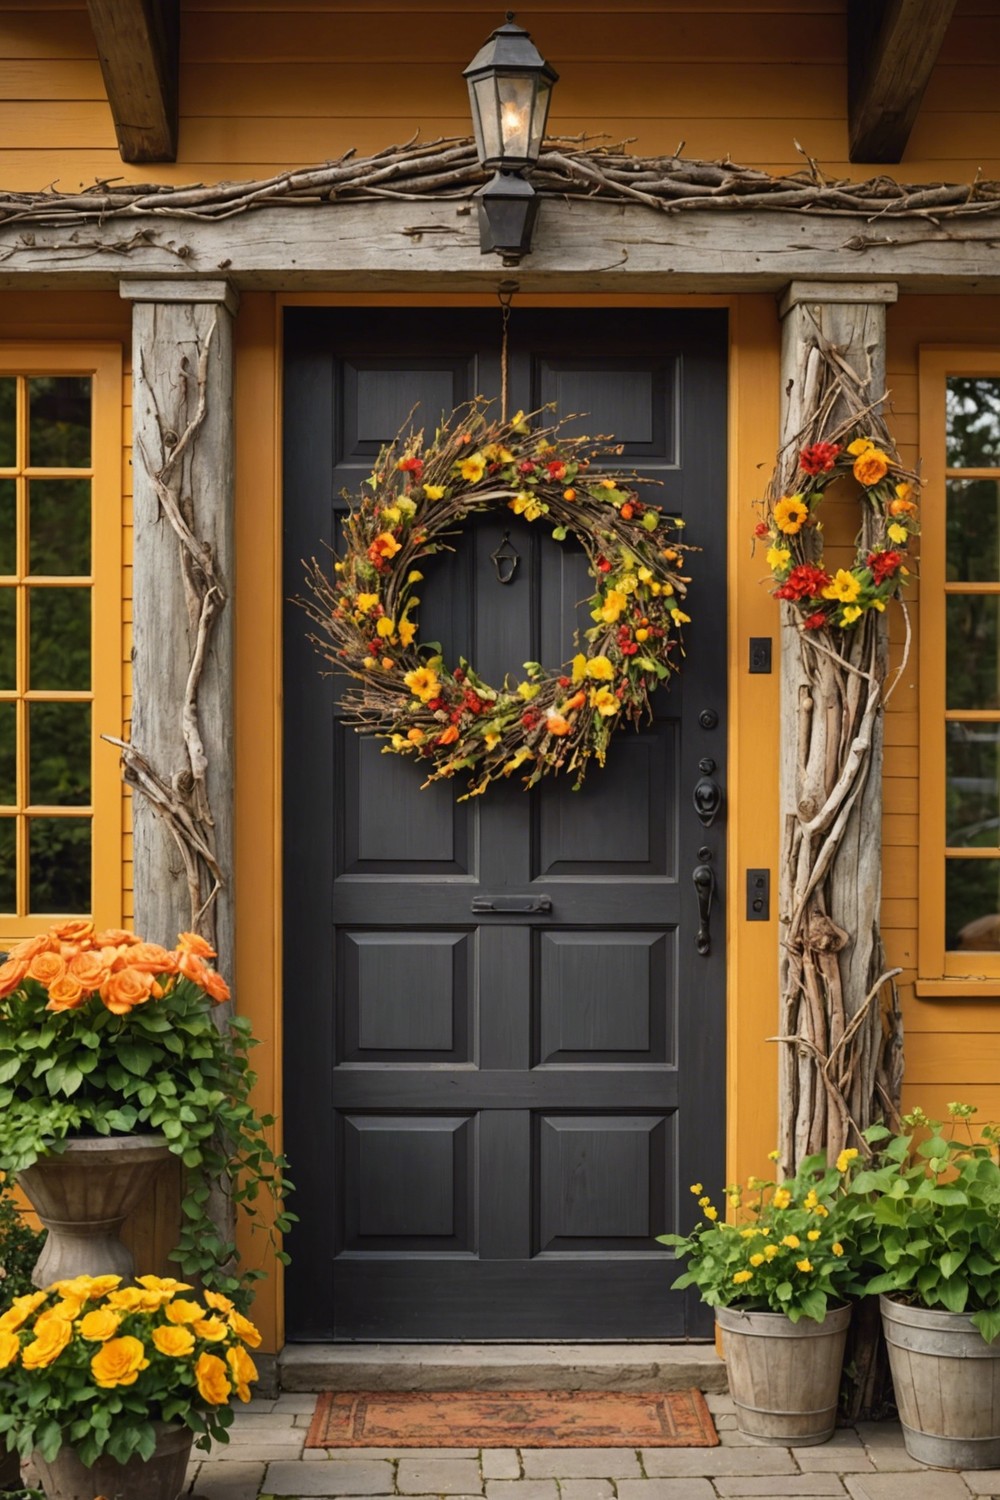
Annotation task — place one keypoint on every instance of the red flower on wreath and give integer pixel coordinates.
(883, 564)
(556, 469)
(473, 702)
(815, 622)
(530, 719)
(414, 466)
(819, 458)
(804, 582)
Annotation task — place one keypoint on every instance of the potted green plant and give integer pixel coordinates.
(777, 1278)
(111, 1058)
(107, 1386)
(19, 1247)
(927, 1225)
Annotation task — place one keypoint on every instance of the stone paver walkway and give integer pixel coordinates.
(267, 1459)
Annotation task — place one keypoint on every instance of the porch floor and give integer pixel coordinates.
(267, 1459)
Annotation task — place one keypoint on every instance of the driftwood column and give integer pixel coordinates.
(840, 1033)
(180, 759)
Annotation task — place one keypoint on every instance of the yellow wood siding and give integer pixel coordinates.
(276, 85)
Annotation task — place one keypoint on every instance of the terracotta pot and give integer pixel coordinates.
(784, 1377)
(158, 1478)
(83, 1196)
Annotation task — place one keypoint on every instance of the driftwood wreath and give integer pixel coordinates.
(447, 717)
(840, 1048)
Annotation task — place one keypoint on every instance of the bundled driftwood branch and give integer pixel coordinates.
(575, 167)
(840, 1026)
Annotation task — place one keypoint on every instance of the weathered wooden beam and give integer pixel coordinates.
(137, 43)
(182, 360)
(892, 48)
(579, 247)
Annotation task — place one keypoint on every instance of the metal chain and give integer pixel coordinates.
(505, 295)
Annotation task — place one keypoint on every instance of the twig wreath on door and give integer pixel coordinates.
(447, 717)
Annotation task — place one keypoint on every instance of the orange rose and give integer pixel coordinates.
(88, 969)
(243, 1371)
(193, 942)
(210, 1376)
(80, 930)
(150, 958)
(29, 948)
(115, 937)
(192, 967)
(45, 967)
(871, 466)
(66, 993)
(215, 986)
(125, 989)
(175, 1342)
(11, 974)
(118, 1362)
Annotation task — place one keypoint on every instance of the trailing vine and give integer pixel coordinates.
(446, 717)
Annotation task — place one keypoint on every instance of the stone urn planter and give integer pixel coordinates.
(784, 1377)
(83, 1195)
(947, 1383)
(158, 1478)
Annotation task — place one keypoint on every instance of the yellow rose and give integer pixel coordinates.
(210, 1377)
(10, 1348)
(244, 1329)
(20, 1311)
(99, 1325)
(599, 668)
(180, 1311)
(128, 1298)
(164, 1284)
(173, 1341)
(51, 1338)
(242, 1369)
(219, 1302)
(210, 1329)
(118, 1362)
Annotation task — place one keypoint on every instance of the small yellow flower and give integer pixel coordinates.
(407, 630)
(803, 1265)
(810, 1200)
(423, 683)
(773, 1155)
(645, 576)
(749, 1234)
(843, 586)
(696, 1188)
(821, 1212)
(711, 1213)
(898, 533)
(527, 505)
(770, 1251)
(845, 1158)
(415, 736)
(385, 627)
(850, 613)
(812, 1234)
(742, 1276)
(580, 669)
(366, 602)
(413, 576)
(614, 602)
(435, 491)
(392, 513)
(860, 445)
(703, 1202)
(837, 1248)
(757, 1259)
(598, 667)
(604, 700)
(528, 690)
(782, 1198)
(792, 1241)
(369, 662)
(679, 617)
(790, 514)
(492, 738)
(778, 558)
(473, 467)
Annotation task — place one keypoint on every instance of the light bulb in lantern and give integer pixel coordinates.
(513, 123)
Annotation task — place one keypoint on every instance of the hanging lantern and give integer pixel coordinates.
(510, 86)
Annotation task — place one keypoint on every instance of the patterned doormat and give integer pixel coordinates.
(512, 1419)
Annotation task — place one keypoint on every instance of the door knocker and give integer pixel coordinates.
(505, 559)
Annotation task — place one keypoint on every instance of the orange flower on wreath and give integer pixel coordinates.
(871, 466)
(791, 514)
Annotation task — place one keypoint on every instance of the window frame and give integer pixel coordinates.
(941, 973)
(103, 364)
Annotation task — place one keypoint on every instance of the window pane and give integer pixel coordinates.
(973, 530)
(60, 754)
(59, 865)
(60, 638)
(972, 636)
(59, 422)
(8, 638)
(973, 418)
(972, 798)
(8, 421)
(8, 754)
(8, 865)
(972, 904)
(59, 526)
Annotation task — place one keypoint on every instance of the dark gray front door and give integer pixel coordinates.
(490, 1118)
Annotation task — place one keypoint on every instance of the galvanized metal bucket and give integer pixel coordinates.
(784, 1377)
(947, 1382)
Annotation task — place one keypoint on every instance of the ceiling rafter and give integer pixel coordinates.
(892, 48)
(137, 43)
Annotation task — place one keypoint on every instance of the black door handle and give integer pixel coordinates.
(704, 883)
(523, 904)
(707, 793)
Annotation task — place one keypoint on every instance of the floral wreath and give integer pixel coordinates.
(448, 718)
(794, 533)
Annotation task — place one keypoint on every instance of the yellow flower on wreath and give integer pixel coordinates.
(435, 491)
(843, 587)
(407, 631)
(604, 700)
(791, 514)
(473, 467)
(860, 445)
(850, 613)
(598, 667)
(614, 602)
(871, 466)
(527, 505)
(385, 627)
(679, 617)
(778, 559)
(897, 533)
(423, 683)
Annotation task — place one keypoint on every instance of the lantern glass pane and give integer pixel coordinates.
(486, 113)
(540, 115)
(516, 96)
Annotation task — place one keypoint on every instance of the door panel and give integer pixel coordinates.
(492, 1114)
